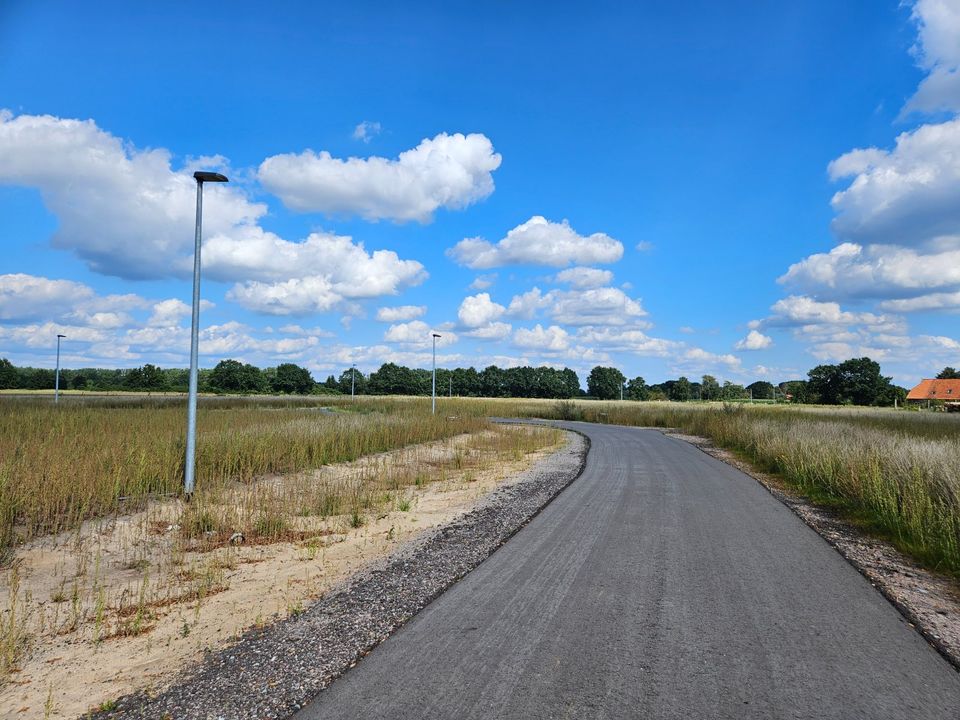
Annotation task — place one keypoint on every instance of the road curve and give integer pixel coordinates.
(661, 584)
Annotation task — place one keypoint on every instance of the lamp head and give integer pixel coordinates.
(436, 335)
(59, 335)
(202, 177)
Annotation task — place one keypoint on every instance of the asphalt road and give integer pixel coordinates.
(661, 584)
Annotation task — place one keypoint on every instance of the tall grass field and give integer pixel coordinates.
(897, 472)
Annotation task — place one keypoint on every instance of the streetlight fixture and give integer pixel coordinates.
(433, 408)
(56, 381)
(190, 463)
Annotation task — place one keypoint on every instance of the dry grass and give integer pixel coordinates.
(115, 577)
(87, 458)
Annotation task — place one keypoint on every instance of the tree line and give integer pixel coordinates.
(857, 381)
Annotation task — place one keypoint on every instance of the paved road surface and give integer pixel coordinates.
(661, 584)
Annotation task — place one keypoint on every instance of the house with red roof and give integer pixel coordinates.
(945, 392)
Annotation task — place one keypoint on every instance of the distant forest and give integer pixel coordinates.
(857, 382)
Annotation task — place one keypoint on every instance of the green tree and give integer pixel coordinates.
(292, 379)
(824, 385)
(795, 391)
(709, 388)
(359, 382)
(8, 375)
(605, 383)
(233, 376)
(948, 373)
(493, 382)
(761, 390)
(680, 391)
(637, 389)
(392, 379)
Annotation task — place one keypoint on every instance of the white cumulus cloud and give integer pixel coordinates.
(938, 52)
(316, 275)
(754, 341)
(447, 171)
(538, 242)
(549, 339)
(477, 310)
(418, 332)
(124, 211)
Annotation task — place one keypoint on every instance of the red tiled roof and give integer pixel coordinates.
(936, 390)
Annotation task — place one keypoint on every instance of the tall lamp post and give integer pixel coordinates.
(353, 370)
(56, 381)
(433, 408)
(190, 464)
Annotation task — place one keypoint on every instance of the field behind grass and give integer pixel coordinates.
(896, 472)
(93, 457)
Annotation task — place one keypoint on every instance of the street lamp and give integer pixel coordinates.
(56, 381)
(353, 370)
(190, 464)
(434, 391)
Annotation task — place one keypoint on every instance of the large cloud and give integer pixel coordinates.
(449, 171)
(898, 216)
(27, 298)
(477, 310)
(538, 242)
(124, 211)
(938, 52)
(594, 306)
(903, 196)
(549, 339)
(315, 275)
(876, 271)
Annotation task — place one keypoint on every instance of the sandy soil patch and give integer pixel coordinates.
(124, 604)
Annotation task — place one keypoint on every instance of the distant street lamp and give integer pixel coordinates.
(434, 392)
(190, 464)
(353, 370)
(56, 381)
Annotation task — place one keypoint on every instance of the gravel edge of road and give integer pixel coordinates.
(274, 671)
(929, 602)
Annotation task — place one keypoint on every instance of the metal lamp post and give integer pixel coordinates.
(56, 381)
(190, 464)
(353, 370)
(433, 408)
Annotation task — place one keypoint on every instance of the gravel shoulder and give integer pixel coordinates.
(273, 672)
(930, 602)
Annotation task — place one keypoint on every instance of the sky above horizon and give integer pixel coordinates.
(738, 189)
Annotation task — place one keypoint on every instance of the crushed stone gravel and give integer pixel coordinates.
(272, 672)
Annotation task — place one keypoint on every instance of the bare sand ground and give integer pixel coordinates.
(120, 606)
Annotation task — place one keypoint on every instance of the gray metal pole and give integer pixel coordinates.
(450, 378)
(189, 465)
(56, 381)
(433, 408)
(353, 371)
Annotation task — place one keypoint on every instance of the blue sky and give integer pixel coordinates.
(740, 189)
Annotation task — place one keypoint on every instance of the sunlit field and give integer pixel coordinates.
(97, 456)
